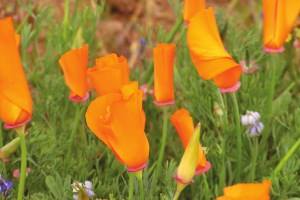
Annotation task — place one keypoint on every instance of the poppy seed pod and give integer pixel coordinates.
(279, 17)
(208, 54)
(15, 98)
(74, 64)
(118, 120)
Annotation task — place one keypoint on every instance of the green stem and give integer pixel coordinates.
(161, 150)
(130, 186)
(2, 165)
(21, 133)
(270, 96)
(174, 30)
(75, 123)
(254, 159)
(223, 141)
(163, 139)
(287, 156)
(141, 187)
(179, 189)
(239, 135)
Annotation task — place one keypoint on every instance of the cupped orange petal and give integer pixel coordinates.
(74, 64)
(15, 98)
(247, 191)
(279, 17)
(123, 117)
(191, 7)
(110, 74)
(208, 54)
(183, 123)
(164, 56)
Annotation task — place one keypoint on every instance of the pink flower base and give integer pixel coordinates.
(78, 99)
(136, 169)
(232, 89)
(164, 103)
(204, 169)
(180, 180)
(269, 50)
(12, 126)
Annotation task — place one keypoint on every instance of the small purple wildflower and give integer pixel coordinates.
(5, 186)
(252, 121)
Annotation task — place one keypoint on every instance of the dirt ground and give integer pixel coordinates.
(123, 23)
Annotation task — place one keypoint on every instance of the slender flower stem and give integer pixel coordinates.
(130, 186)
(239, 135)
(179, 189)
(139, 176)
(174, 30)
(162, 149)
(21, 188)
(74, 128)
(254, 159)
(270, 95)
(287, 156)
(163, 139)
(2, 165)
(223, 141)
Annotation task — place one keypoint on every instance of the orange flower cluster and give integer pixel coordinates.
(116, 116)
(15, 98)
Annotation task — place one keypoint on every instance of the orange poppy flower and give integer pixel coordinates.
(110, 74)
(191, 7)
(247, 191)
(164, 55)
(74, 64)
(15, 98)
(118, 120)
(279, 19)
(208, 53)
(183, 123)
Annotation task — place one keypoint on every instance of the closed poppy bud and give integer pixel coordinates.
(191, 7)
(164, 55)
(74, 64)
(188, 164)
(279, 19)
(118, 120)
(208, 53)
(247, 191)
(110, 74)
(189, 161)
(183, 123)
(15, 98)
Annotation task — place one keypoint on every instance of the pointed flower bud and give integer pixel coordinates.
(189, 160)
